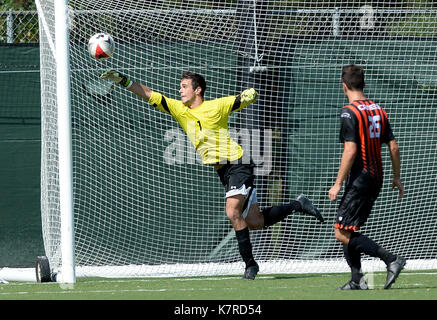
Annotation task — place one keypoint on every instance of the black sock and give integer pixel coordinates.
(353, 259)
(386, 255)
(275, 214)
(245, 246)
(362, 243)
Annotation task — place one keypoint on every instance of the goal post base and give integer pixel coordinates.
(42, 269)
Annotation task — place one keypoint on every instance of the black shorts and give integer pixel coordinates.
(356, 204)
(234, 176)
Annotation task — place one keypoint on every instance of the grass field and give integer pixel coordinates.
(411, 285)
(227, 297)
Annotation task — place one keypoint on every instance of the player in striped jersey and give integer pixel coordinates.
(364, 128)
(206, 124)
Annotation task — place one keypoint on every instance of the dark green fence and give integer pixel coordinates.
(400, 76)
(20, 218)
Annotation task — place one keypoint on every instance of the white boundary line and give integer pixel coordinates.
(217, 269)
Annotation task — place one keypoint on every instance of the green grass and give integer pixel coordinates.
(411, 285)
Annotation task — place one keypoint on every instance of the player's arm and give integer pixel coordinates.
(347, 160)
(139, 89)
(395, 156)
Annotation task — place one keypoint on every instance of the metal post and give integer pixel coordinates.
(10, 27)
(336, 23)
(67, 271)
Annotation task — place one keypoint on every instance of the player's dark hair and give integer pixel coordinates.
(196, 80)
(353, 76)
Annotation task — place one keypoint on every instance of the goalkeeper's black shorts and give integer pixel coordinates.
(356, 204)
(235, 175)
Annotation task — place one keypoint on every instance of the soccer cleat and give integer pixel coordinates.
(309, 208)
(393, 270)
(352, 285)
(251, 272)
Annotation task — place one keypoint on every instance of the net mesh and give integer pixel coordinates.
(143, 202)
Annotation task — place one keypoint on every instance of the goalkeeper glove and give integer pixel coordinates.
(117, 77)
(249, 96)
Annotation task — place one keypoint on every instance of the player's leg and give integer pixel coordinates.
(361, 243)
(346, 221)
(234, 205)
(257, 219)
(278, 213)
(252, 213)
(238, 182)
(394, 263)
(353, 259)
(354, 210)
(364, 244)
(254, 218)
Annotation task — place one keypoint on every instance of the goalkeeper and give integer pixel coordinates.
(206, 124)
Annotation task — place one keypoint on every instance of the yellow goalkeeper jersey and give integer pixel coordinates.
(207, 125)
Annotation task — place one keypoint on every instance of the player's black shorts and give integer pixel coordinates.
(356, 204)
(235, 175)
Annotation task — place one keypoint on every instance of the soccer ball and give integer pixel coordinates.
(101, 46)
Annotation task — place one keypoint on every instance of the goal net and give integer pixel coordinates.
(144, 205)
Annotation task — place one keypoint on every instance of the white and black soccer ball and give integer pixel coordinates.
(101, 46)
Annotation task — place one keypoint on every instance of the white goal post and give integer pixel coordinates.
(122, 192)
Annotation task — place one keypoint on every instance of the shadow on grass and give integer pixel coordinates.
(297, 276)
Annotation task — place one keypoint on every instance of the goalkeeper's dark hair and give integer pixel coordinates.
(353, 76)
(196, 80)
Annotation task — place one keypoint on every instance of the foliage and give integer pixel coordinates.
(25, 19)
(5, 5)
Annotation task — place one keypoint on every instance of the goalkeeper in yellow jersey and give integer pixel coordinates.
(206, 125)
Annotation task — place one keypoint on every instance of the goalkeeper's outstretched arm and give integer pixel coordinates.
(139, 89)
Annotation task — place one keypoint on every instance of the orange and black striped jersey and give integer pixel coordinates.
(366, 123)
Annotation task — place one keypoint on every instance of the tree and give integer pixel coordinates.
(5, 5)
